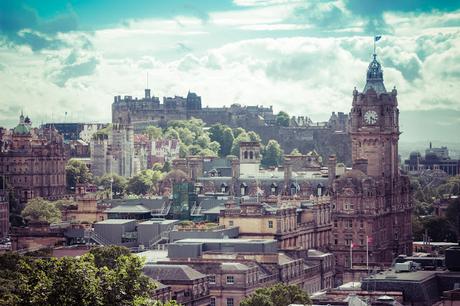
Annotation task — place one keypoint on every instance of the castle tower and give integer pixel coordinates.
(249, 157)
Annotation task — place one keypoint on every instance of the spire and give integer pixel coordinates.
(374, 77)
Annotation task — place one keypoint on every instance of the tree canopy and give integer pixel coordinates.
(105, 276)
(144, 182)
(277, 295)
(77, 173)
(282, 119)
(272, 154)
(38, 209)
(153, 132)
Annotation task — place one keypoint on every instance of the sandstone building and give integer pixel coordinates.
(32, 162)
(372, 201)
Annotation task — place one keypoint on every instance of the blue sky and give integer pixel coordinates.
(303, 57)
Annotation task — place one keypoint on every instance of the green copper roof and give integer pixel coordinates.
(21, 129)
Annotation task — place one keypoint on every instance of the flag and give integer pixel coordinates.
(369, 239)
(377, 37)
(352, 245)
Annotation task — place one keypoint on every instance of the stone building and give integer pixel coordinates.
(86, 208)
(372, 201)
(434, 159)
(326, 138)
(115, 152)
(295, 225)
(188, 286)
(32, 162)
(300, 175)
(237, 267)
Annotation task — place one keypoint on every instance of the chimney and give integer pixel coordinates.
(361, 164)
(331, 166)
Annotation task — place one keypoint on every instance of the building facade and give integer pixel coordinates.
(32, 162)
(4, 215)
(371, 203)
(434, 159)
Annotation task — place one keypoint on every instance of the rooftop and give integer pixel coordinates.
(172, 272)
(116, 221)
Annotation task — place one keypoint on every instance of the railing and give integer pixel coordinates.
(97, 238)
(163, 236)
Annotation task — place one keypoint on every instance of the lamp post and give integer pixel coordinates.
(111, 186)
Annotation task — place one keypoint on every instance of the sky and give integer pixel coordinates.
(303, 57)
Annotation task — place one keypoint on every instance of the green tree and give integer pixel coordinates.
(253, 136)
(143, 182)
(242, 137)
(272, 154)
(216, 132)
(185, 135)
(237, 131)
(296, 152)
(74, 282)
(203, 141)
(119, 183)
(166, 167)
(453, 217)
(214, 146)
(277, 295)
(38, 209)
(282, 119)
(183, 150)
(171, 133)
(107, 256)
(227, 142)
(153, 132)
(437, 229)
(77, 173)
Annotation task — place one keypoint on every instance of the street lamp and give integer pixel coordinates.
(111, 185)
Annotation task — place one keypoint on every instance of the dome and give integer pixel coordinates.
(374, 77)
(21, 129)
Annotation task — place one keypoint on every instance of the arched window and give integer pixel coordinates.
(251, 155)
(245, 154)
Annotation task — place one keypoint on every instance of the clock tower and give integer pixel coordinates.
(372, 206)
(375, 125)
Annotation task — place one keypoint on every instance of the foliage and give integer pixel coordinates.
(153, 132)
(277, 295)
(77, 173)
(85, 280)
(242, 137)
(237, 131)
(119, 183)
(272, 154)
(38, 209)
(296, 152)
(144, 182)
(166, 167)
(227, 142)
(282, 119)
(253, 136)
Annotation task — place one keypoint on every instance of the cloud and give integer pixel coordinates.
(75, 65)
(21, 24)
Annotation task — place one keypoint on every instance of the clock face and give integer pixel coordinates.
(371, 117)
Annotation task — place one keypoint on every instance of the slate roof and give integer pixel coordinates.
(172, 272)
(139, 209)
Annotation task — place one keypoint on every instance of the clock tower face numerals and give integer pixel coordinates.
(371, 117)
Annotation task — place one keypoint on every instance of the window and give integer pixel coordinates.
(361, 224)
(335, 223)
(336, 241)
(230, 302)
(230, 223)
(230, 279)
(213, 302)
(270, 224)
(350, 223)
(212, 279)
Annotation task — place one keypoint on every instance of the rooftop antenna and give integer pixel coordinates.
(147, 80)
